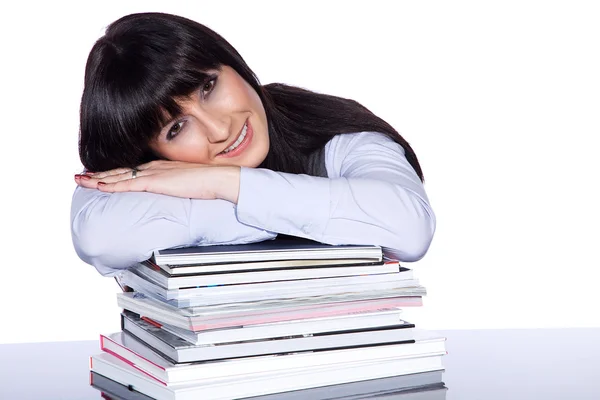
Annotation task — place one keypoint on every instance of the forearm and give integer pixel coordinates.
(372, 196)
(113, 231)
(338, 211)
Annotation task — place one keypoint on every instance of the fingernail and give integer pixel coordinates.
(78, 176)
(101, 183)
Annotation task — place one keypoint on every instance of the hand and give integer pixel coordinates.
(173, 178)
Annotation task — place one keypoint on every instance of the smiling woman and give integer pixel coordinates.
(182, 145)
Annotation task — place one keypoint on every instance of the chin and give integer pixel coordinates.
(253, 163)
(256, 158)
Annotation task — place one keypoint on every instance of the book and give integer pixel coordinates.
(379, 318)
(270, 290)
(175, 270)
(287, 328)
(288, 315)
(150, 362)
(156, 275)
(421, 386)
(135, 301)
(279, 249)
(180, 350)
(268, 317)
(360, 390)
(112, 390)
(257, 384)
(197, 324)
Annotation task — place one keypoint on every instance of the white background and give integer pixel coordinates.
(500, 101)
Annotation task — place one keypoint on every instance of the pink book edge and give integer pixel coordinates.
(256, 320)
(109, 351)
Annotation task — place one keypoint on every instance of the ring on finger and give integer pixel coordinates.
(134, 172)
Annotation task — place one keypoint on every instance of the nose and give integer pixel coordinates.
(217, 127)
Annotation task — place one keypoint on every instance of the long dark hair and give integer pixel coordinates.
(144, 62)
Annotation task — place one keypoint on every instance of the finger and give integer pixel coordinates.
(112, 172)
(145, 166)
(85, 181)
(128, 176)
(153, 164)
(165, 164)
(127, 185)
(160, 164)
(117, 178)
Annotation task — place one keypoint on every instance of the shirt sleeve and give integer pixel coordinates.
(113, 231)
(371, 196)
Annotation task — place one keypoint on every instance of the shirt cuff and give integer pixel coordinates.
(297, 205)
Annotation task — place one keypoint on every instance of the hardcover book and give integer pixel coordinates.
(180, 350)
(423, 386)
(149, 361)
(212, 295)
(245, 319)
(279, 249)
(158, 276)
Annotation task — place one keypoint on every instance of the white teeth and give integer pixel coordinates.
(238, 141)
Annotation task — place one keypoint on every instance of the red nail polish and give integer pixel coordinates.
(85, 177)
(101, 183)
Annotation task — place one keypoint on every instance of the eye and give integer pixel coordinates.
(174, 130)
(208, 86)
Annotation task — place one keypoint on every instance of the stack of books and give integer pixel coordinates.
(286, 318)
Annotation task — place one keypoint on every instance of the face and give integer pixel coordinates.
(222, 123)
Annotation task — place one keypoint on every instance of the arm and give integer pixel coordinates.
(372, 196)
(112, 231)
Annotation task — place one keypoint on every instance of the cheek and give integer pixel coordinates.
(186, 150)
(250, 97)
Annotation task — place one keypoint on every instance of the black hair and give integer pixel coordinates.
(145, 62)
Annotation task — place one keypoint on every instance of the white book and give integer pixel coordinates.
(270, 290)
(146, 303)
(246, 288)
(288, 328)
(148, 361)
(149, 303)
(202, 323)
(421, 386)
(367, 318)
(176, 270)
(280, 249)
(261, 383)
(181, 351)
(161, 278)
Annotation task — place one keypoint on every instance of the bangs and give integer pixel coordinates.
(146, 105)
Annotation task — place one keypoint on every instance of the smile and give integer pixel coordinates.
(240, 143)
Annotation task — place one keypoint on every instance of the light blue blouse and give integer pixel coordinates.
(371, 196)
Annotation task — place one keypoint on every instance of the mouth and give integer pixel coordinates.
(240, 143)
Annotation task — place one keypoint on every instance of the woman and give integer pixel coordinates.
(194, 151)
